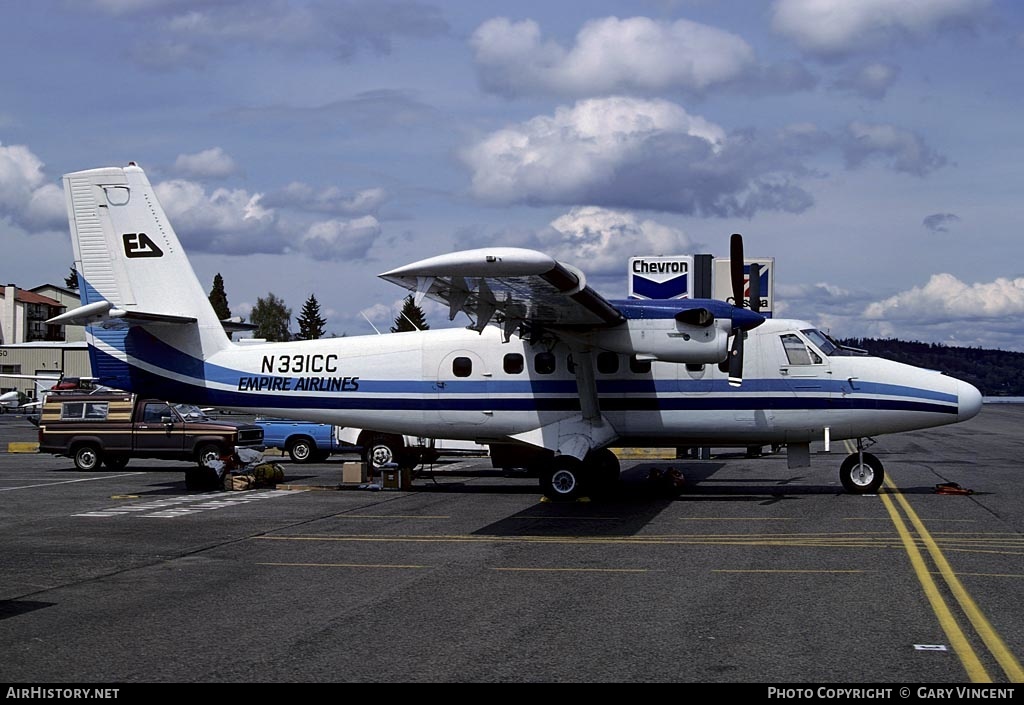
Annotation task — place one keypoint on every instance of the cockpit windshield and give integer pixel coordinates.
(190, 412)
(828, 346)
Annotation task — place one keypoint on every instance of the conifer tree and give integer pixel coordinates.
(219, 299)
(311, 323)
(411, 317)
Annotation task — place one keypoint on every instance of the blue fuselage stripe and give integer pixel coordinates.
(559, 395)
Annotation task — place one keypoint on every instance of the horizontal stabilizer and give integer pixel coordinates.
(235, 325)
(101, 311)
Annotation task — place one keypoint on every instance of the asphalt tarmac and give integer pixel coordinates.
(752, 573)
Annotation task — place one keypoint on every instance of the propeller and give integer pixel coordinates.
(736, 270)
(755, 288)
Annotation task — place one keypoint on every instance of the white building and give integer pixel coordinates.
(31, 346)
(24, 312)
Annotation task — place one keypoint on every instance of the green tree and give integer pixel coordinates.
(311, 323)
(219, 299)
(411, 317)
(71, 280)
(271, 318)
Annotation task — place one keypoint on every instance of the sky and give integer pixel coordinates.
(874, 148)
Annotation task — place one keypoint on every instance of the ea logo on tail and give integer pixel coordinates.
(139, 245)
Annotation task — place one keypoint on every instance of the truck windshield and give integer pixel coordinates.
(190, 412)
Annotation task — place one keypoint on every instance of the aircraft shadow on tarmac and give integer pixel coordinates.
(14, 608)
(641, 484)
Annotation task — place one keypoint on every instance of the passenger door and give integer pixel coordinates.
(462, 387)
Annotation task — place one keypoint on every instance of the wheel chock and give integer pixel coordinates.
(951, 488)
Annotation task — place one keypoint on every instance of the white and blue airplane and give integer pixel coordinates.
(548, 367)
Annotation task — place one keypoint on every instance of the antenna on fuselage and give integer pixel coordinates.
(411, 322)
(370, 322)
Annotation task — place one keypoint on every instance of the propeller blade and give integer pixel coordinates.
(736, 360)
(755, 288)
(736, 268)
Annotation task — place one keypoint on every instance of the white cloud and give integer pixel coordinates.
(945, 297)
(870, 81)
(26, 198)
(21, 172)
(601, 241)
(340, 239)
(210, 163)
(190, 32)
(832, 28)
(610, 55)
(46, 208)
(904, 150)
(380, 312)
(327, 200)
(635, 153)
(226, 220)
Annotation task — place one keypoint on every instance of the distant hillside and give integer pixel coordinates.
(994, 372)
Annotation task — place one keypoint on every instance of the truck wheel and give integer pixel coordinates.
(207, 453)
(87, 457)
(302, 450)
(115, 462)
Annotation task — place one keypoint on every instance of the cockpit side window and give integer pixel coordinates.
(795, 349)
(822, 341)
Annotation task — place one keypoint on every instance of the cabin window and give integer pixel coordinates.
(796, 351)
(155, 413)
(607, 363)
(570, 364)
(462, 367)
(544, 363)
(83, 411)
(513, 364)
(639, 367)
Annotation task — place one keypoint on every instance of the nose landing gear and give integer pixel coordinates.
(861, 472)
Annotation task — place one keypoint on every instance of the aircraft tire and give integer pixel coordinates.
(87, 457)
(603, 471)
(383, 450)
(302, 450)
(562, 479)
(861, 478)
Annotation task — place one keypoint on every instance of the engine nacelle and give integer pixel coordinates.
(667, 340)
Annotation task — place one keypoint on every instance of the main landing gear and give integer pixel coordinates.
(565, 477)
(861, 472)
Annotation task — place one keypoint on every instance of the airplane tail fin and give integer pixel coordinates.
(145, 311)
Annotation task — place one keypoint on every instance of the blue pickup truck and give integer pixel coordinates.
(311, 442)
(304, 441)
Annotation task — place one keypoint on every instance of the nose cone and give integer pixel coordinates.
(969, 401)
(745, 319)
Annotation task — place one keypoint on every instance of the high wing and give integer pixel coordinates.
(519, 289)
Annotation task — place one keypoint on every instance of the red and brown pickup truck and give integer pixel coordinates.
(113, 427)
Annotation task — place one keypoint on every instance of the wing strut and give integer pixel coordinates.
(586, 384)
